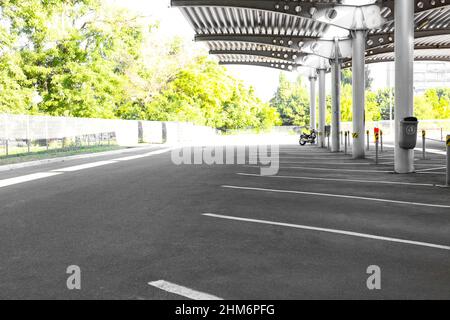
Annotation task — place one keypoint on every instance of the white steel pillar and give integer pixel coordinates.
(404, 76)
(336, 97)
(322, 108)
(313, 120)
(359, 88)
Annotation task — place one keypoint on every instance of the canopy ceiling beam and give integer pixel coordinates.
(421, 6)
(425, 59)
(287, 42)
(386, 38)
(390, 49)
(278, 66)
(378, 51)
(375, 58)
(286, 56)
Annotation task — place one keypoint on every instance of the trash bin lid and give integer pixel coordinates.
(410, 119)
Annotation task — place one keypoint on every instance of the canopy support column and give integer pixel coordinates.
(404, 86)
(313, 121)
(336, 97)
(322, 107)
(359, 88)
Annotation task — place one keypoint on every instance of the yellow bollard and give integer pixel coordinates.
(448, 160)
(424, 144)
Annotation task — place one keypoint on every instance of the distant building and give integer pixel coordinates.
(427, 75)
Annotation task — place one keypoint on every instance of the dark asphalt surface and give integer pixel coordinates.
(129, 223)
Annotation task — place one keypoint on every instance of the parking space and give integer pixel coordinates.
(144, 228)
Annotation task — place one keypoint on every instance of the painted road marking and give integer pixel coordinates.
(428, 163)
(331, 163)
(435, 151)
(145, 155)
(436, 163)
(330, 195)
(27, 178)
(431, 169)
(340, 170)
(42, 175)
(182, 291)
(341, 180)
(140, 156)
(334, 231)
(312, 158)
(85, 166)
(433, 162)
(104, 163)
(437, 173)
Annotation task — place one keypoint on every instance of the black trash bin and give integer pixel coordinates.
(408, 133)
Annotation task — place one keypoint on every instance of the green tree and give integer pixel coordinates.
(347, 77)
(441, 107)
(292, 102)
(205, 94)
(385, 99)
(73, 53)
(373, 112)
(15, 90)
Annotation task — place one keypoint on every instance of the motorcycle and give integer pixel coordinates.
(308, 138)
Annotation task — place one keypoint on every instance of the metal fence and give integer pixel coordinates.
(26, 134)
(435, 129)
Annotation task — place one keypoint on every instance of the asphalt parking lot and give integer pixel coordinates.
(140, 227)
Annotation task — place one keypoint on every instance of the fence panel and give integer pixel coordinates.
(35, 133)
(436, 129)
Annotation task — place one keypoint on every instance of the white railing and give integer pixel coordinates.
(28, 131)
(435, 129)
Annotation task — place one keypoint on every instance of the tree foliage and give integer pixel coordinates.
(292, 102)
(88, 59)
(433, 104)
(347, 77)
(204, 93)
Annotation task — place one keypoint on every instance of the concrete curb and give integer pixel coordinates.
(29, 164)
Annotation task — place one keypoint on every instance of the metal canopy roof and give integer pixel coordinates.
(272, 33)
(419, 55)
(241, 59)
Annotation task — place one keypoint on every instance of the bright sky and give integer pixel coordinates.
(264, 80)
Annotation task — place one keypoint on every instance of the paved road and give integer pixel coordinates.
(130, 222)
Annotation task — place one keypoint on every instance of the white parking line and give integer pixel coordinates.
(431, 169)
(104, 163)
(341, 180)
(182, 291)
(335, 231)
(330, 195)
(428, 172)
(85, 166)
(41, 175)
(435, 151)
(139, 156)
(27, 178)
(331, 163)
(417, 164)
(311, 158)
(340, 170)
